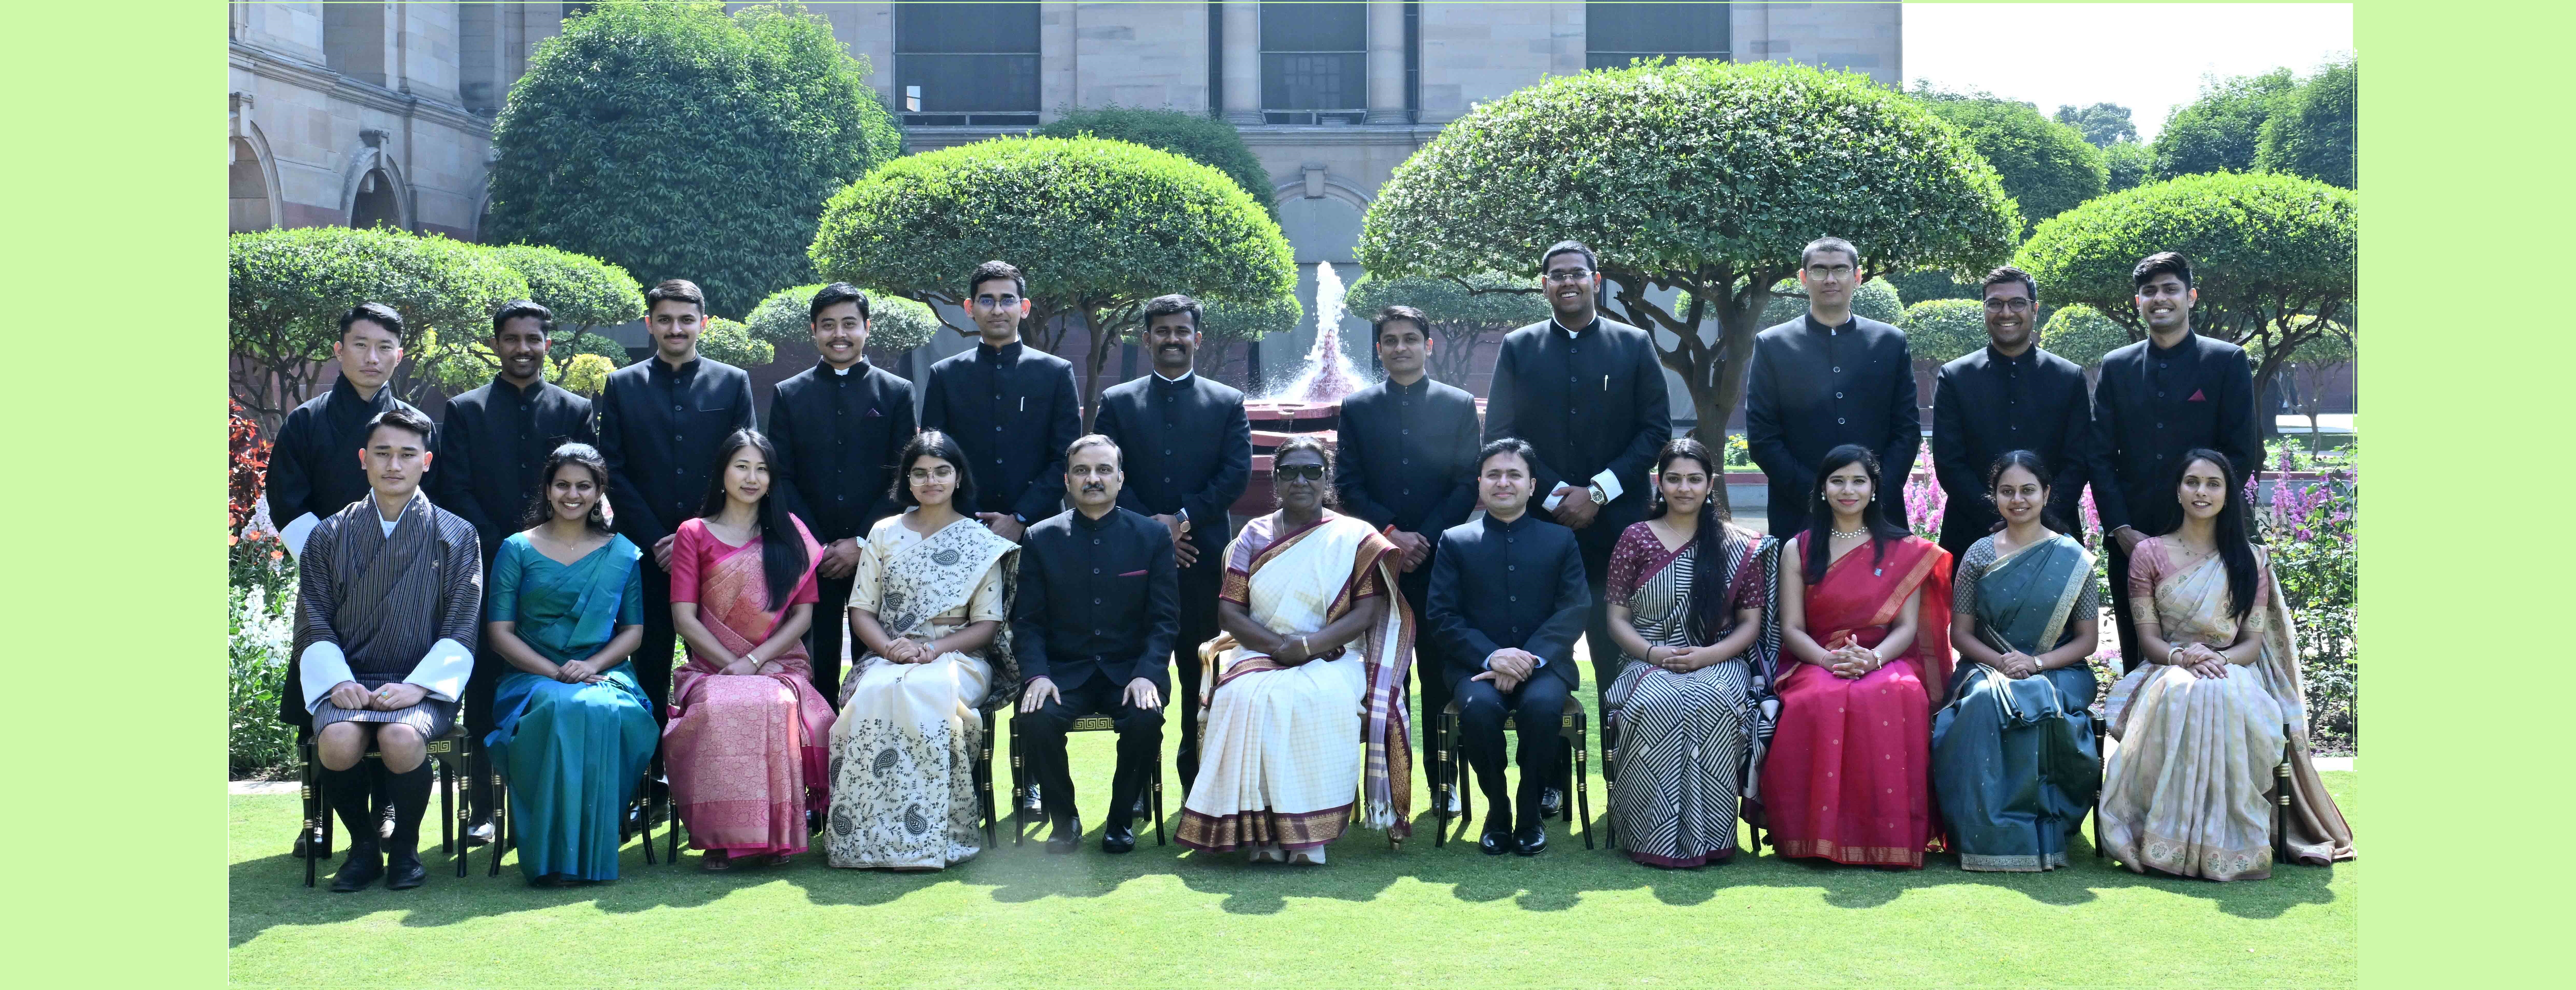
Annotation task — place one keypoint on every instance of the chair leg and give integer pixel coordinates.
(644, 809)
(1582, 781)
(1158, 799)
(1019, 786)
(671, 808)
(2101, 775)
(984, 778)
(2281, 802)
(317, 839)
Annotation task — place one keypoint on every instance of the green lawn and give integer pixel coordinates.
(1421, 916)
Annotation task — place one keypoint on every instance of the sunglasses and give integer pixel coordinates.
(1309, 472)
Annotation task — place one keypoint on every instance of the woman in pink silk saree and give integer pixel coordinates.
(1848, 776)
(745, 743)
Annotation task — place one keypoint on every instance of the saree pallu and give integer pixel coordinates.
(904, 748)
(1281, 756)
(2012, 760)
(745, 751)
(2187, 788)
(572, 753)
(1685, 740)
(1848, 774)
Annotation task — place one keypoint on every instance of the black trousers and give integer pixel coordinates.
(2118, 592)
(1430, 666)
(1199, 586)
(653, 659)
(823, 638)
(1140, 743)
(1596, 541)
(1536, 707)
(480, 719)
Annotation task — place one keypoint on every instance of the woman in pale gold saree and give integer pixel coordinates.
(2201, 721)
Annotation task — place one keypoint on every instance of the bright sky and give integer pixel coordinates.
(2147, 57)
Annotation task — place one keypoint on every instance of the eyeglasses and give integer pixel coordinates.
(1309, 472)
(998, 302)
(2007, 305)
(942, 472)
(1829, 271)
(1568, 276)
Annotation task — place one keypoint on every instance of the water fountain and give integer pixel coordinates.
(1310, 403)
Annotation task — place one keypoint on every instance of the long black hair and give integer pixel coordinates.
(1709, 579)
(782, 542)
(1820, 516)
(2030, 461)
(541, 510)
(2235, 549)
(934, 443)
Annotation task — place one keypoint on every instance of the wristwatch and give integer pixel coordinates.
(1599, 497)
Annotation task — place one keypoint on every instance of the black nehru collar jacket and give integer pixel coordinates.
(1814, 387)
(1186, 447)
(1014, 410)
(314, 467)
(1406, 456)
(1985, 404)
(659, 428)
(495, 441)
(2151, 405)
(837, 432)
(1518, 584)
(1097, 598)
(1587, 402)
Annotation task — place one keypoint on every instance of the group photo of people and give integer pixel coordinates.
(642, 602)
(1091, 492)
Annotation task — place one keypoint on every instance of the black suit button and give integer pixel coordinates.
(1095, 601)
(1838, 371)
(1407, 491)
(1838, 421)
(1095, 570)
(1511, 567)
(675, 409)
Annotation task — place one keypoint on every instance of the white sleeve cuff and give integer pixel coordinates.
(1609, 484)
(444, 670)
(1556, 496)
(323, 668)
(295, 532)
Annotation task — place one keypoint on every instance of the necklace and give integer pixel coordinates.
(1853, 535)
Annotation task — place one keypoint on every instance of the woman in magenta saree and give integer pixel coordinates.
(1848, 776)
(745, 743)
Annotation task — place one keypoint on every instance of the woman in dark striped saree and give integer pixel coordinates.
(1690, 609)
(2013, 763)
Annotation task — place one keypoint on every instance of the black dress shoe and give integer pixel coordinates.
(1030, 801)
(1138, 810)
(1066, 836)
(403, 871)
(1497, 840)
(1118, 839)
(1551, 802)
(359, 871)
(1530, 841)
(480, 834)
(385, 827)
(303, 842)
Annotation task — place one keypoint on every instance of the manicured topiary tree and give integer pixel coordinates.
(2267, 252)
(2311, 132)
(1701, 176)
(1197, 137)
(2081, 334)
(1099, 226)
(896, 325)
(290, 286)
(676, 140)
(2047, 167)
(585, 294)
(1942, 330)
(732, 343)
(1463, 312)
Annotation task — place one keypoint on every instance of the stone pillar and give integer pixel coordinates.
(1242, 69)
(1386, 62)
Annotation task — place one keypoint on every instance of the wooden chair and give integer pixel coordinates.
(983, 793)
(1021, 772)
(1449, 770)
(450, 753)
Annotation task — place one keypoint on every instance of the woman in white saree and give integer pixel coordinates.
(1311, 664)
(927, 604)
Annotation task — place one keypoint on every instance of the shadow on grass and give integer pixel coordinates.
(268, 892)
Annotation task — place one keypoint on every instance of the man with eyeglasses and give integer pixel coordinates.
(1190, 443)
(1825, 379)
(1013, 409)
(2013, 395)
(1097, 612)
(2157, 398)
(1588, 395)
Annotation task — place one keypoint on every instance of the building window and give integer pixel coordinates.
(1615, 33)
(1314, 62)
(959, 64)
(353, 40)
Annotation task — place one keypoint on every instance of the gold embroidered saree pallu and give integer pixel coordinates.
(1280, 758)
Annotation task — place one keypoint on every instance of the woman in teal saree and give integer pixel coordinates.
(2013, 760)
(565, 606)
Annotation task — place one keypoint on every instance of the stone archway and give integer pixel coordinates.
(376, 203)
(253, 181)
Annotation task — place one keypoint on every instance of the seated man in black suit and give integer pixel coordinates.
(1099, 602)
(1508, 599)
